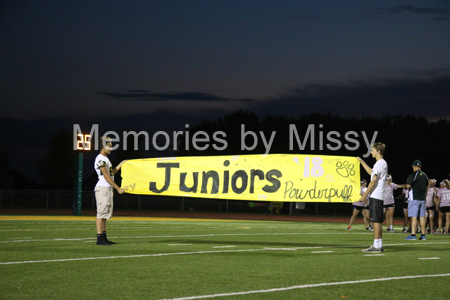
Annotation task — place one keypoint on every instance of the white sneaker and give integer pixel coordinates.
(372, 249)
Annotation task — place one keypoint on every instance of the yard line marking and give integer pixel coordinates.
(378, 254)
(306, 286)
(322, 251)
(123, 256)
(224, 247)
(429, 258)
(179, 244)
(148, 255)
(179, 236)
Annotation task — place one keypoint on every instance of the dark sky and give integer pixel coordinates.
(168, 63)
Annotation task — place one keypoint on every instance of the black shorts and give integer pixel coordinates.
(405, 205)
(389, 205)
(358, 207)
(431, 207)
(376, 210)
(444, 209)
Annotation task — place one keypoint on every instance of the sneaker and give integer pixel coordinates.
(411, 237)
(445, 232)
(349, 227)
(370, 228)
(438, 232)
(367, 228)
(103, 243)
(392, 231)
(372, 249)
(434, 231)
(423, 237)
(418, 230)
(388, 230)
(405, 230)
(428, 230)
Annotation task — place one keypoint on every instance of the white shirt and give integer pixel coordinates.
(103, 161)
(389, 194)
(380, 169)
(361, 203)
(444, 194)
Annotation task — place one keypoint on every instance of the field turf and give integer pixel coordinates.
(155, 258)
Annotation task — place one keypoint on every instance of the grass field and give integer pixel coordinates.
(43, 258)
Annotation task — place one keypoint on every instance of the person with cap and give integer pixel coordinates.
(418, 181)
(359, 206)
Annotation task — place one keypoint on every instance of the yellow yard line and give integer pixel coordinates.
(119, 218)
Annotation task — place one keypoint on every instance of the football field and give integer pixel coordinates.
(157, 258)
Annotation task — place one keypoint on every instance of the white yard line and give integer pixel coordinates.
(307, 286)
(176, 236)
(123, 256)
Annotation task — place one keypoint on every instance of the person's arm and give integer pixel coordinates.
(110, 181)
(369, 188)
(117, 168)
(437, 200)
(366, 167)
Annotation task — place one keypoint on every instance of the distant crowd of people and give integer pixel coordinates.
(437, 206)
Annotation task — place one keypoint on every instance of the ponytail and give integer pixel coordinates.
(447, 183)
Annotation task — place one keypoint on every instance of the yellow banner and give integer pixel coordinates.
(273, 177)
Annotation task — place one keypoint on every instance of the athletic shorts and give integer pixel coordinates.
(358, 207)
(389, 205)
(405, 205)
(431, 207)
(444, 209)
(104, 199)
(376, 210)
(416, 208)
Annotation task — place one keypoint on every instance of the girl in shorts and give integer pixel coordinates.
(430, 204)
(443, 204)
(389, 203)
(360, 206)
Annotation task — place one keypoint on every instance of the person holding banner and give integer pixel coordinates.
(376, 193)
(104, 189)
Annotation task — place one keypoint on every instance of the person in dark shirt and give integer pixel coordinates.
(418, 181)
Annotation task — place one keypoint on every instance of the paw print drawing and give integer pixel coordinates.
(345, 169)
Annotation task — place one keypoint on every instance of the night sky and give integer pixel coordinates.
(157, 65)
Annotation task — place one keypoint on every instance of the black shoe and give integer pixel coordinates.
(111, 243)
(103, 243)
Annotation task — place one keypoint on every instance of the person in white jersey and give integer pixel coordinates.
(443, 203)
(389, 204)
(430, 204)
(359, 206)
(376, 191)
(104, 189)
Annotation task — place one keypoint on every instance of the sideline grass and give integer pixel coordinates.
(169, 259)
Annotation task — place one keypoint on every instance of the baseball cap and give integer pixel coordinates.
(417, 163)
